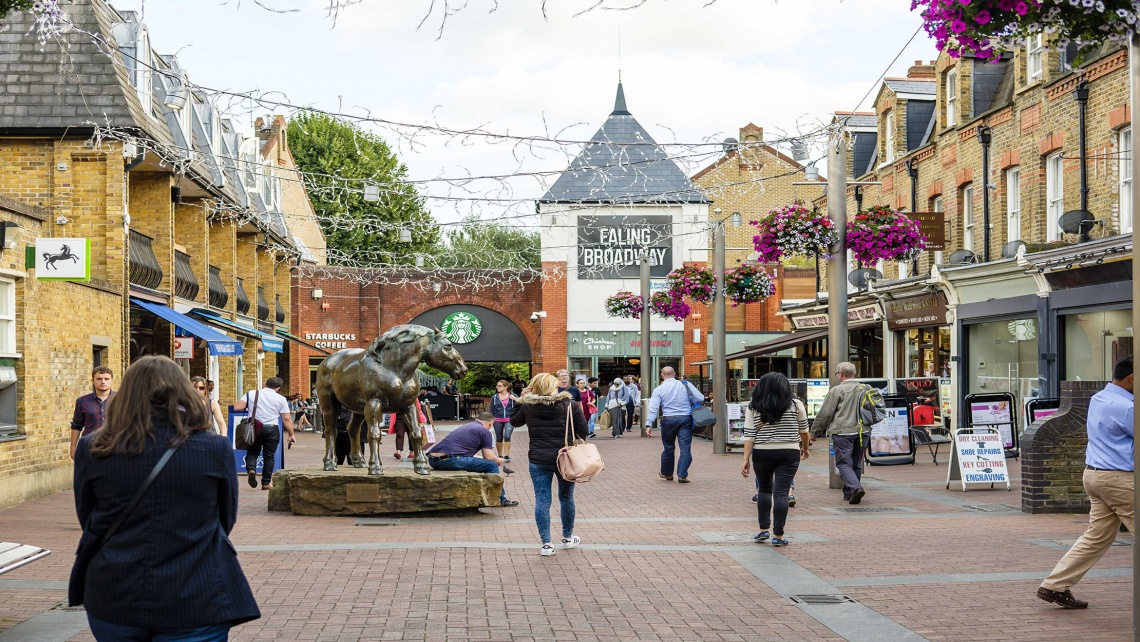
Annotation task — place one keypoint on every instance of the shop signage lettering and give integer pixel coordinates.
(622, 343)
(183, 347)
(916, 311)
(326, 340)
(593, 343)
(653, 343)
(981, 458)
(610, 247)
(932, 225)
(820, 320)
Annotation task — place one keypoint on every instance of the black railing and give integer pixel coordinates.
(144, 268)
(242, 298)
(185, 283)
(262, 305)
(280, 316)
(218, 295)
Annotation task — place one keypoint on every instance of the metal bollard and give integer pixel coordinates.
(833, 479)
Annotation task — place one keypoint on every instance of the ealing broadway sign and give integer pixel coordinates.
(609, 247)
(461, 327)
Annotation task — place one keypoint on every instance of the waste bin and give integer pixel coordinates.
(833, 479)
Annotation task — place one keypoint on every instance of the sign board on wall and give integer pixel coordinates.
(623, 343)
(63, 259)
(609, 247)
(334, 340)
(932, 225)
(183, 347)
(856, 314)
(916, 311)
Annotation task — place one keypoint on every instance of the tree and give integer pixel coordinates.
(11, 5)
(490, 244)
(340, 160)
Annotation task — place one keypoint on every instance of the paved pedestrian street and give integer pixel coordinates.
(659, 561)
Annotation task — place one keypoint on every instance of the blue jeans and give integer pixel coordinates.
(590, 423)
(676, 429)
(775, 471)
(468, 464)
(108, 632)
(540, 475)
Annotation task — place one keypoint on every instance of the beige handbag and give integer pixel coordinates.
(578, 461)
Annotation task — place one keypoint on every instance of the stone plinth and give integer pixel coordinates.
(352, 491)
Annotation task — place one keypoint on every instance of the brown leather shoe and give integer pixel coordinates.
(266, 486)
(665, 477)
(1062, 598)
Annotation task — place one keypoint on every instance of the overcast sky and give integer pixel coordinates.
(691, 73)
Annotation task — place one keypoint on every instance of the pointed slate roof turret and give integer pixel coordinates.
(623, 164)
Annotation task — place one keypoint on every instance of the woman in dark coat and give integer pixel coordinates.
(170, 568)
(542, 409)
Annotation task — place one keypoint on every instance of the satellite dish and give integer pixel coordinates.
(863, 277)
(730, 144)
(1009, 250)
(1078, 222)
(962, 257)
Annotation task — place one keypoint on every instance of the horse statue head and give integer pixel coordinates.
(442, 355)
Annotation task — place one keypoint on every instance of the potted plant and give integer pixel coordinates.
(666, 305)
(697, 283)
(882, 233)
(748, 284)
(793, 230)
(625, 305)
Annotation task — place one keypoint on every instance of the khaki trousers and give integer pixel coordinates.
(1111, 494)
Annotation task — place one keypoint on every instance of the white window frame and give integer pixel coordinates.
(968, 217)
(1034, 59)
(1013, 204)
(889, 135)
(937, 206)
(952, 98)
(1054, 195)
(143, 73)
(1124, 152)
(8, 321)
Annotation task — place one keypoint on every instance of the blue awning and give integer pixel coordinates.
(269, 343)
(218, 343)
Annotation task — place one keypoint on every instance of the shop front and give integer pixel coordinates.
(864, 341)
(921, 335)
(617, 353)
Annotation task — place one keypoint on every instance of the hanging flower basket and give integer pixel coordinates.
(793, 230)
(665, 305)
(748, 284)
(694, 282)
(881, 233)
(625, 305)
(986, 28)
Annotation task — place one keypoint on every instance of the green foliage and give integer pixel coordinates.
(333, 153)
(13, 5)
(490, 244)
(481, 377)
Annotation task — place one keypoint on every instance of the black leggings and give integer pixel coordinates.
(775, 471)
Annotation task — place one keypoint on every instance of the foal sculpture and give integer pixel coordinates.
(378, 380)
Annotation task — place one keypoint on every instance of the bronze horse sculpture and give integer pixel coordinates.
(378, 380)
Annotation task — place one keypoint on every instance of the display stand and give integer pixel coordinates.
(735, 435)
(1041, 408)
(239, 455)
(891, 443)
(998, 411)
(978, 457)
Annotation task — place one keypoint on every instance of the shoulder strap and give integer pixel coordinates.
(256, 398)
(566, 436)
(138, 496)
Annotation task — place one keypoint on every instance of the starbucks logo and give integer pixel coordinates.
(461, 327)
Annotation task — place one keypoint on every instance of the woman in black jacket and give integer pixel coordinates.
(543, 410)
(170, 568)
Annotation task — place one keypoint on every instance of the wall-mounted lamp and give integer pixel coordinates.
(11, 234)
(318, 294)
(419, 261)
(176, 96)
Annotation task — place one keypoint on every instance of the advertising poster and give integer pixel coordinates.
(816, 391)
(183, 347)
(982, 458)
(946, 393)
(996, 414)
(891, 436)
(924, 394)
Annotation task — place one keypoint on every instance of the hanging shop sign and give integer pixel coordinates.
(609, 247)
(932, 225)
(63, 259)
(461, 327)
(330, 340)
(857, 314)
(625, 343)
(916, 311)
(183, 347)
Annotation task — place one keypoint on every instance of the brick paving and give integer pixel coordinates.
(658, 561)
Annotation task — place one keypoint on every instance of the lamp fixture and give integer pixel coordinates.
(177, 95)
(371, 193)
(11, 234)
(736, 220)
(436, 287)
(419, 261)
(405, 235)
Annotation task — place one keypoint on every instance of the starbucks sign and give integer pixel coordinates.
(461, 327)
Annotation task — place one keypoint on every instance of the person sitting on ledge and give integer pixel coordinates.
(457, 451)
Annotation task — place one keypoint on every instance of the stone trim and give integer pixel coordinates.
(1009, 159)
(1120, 117)
(1051, 143)
(1102, 67)
(23, 209)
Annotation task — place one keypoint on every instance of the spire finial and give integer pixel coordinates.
(619, 102)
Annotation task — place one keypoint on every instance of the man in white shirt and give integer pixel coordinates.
(271, 412)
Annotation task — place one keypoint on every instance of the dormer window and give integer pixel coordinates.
(1033, 56)
(889, 135)
(951, 98)
(142, 71)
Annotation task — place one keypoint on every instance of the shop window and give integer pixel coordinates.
(1054, 195)
(1124, 153)
(926, 352)
(968, 217)
(581, 366)
(952, 98)
(1013, 204)
(7, 316)
(1033, 55)
(1003, 358)
(1094, 342)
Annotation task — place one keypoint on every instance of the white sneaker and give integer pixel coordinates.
(572, 542)
(547, 549)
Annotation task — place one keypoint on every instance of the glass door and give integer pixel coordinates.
(1003, 358)
(1094, 342)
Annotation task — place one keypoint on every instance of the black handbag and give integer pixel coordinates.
(245, 434)
(85, 554)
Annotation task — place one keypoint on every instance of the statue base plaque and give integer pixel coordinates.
(352, 491)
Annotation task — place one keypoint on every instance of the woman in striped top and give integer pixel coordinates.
(775, 440)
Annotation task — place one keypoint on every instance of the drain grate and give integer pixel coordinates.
(822, 598)
(377, 521)
(994, 508)
(62, 606)
(872, 509)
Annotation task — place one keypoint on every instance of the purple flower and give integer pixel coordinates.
(957, 26)
(983, 17)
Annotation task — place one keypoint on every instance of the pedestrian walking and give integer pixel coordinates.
(91, 409)
(673, 400)
(271, 411)
(842, 417)
(589, 404)
(397, 427)
(162, 568)
(775, 440)
(543, 410)
(457, 451)
(1108, 480)
(216, 416)
(616, 406)
(564, 385)
(502, 403)
(592, 420)
(632, 403)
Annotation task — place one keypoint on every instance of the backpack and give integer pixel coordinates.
(872, 408)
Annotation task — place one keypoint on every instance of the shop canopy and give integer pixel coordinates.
(218, 343)
(269, 343)
(790, 340)
(298, 340)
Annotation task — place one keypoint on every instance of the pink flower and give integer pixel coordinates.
(957, 26)
(1021, 8)
(983, 17)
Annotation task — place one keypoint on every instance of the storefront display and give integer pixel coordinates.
(1004, 358)
(1094, 342)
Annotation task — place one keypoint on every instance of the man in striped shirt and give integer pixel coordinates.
(674, 400)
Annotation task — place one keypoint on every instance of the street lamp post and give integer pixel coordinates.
(836, 265)
(720, 365)
(646, 364)
(984, 136)
(912, 172)
(1134, 77)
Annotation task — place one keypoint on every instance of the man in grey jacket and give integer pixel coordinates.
(838, 418)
